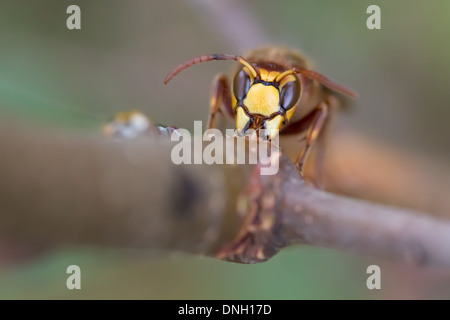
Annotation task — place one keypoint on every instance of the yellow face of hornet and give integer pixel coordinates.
(264, 99)
(265, 94)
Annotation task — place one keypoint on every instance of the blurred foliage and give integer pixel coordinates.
(76, 80)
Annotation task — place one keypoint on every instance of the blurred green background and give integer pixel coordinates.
(76, 80)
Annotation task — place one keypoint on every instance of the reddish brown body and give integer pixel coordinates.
(273, 88)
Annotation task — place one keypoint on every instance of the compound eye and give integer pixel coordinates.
(241, 84)
(289, 94)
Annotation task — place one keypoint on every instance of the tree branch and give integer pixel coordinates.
(59, 190)
(288, 211)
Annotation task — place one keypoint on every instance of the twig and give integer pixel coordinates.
(285, 211)
(70, 190)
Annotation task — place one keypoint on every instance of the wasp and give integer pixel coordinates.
(273, 88)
